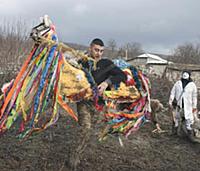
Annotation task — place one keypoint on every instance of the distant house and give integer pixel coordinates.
(173, 72)
(154, 63)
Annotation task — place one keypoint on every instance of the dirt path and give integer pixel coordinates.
(144, 150)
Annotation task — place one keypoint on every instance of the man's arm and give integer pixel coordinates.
(114, 75)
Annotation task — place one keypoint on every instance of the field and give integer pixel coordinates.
(144, 150)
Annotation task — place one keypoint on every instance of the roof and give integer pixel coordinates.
(181, 67)
(153, 59)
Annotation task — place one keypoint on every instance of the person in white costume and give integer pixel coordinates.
(184, 92)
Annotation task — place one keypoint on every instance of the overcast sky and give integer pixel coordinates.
(159, 25)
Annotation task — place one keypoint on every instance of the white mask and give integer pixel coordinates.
(185, 75)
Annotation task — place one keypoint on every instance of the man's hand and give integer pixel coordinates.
(170, 106)
(102, 87)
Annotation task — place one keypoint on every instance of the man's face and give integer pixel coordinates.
(96, 51)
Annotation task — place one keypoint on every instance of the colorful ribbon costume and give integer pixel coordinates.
(47, 79)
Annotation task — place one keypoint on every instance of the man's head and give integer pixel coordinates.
(96, 49)
(186, 74)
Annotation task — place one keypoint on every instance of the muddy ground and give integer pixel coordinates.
(143, 150)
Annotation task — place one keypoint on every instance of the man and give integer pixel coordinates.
(105, 75)
(184, 92)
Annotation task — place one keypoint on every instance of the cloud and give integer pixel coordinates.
(80, 8)
(156, 24)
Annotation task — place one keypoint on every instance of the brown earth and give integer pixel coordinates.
(144, 150)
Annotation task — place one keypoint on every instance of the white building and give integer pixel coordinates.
(154, 63)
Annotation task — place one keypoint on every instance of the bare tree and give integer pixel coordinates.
(187, 53)
(131, 50)
(121, 53)
(14, 44)
(112, 45)
(111, 50)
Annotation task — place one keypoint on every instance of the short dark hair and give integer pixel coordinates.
(97, 41)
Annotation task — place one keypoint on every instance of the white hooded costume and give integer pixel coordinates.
(188, 96)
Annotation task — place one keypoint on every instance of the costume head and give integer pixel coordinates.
(186, 75)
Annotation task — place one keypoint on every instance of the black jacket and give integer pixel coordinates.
(105, 70)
